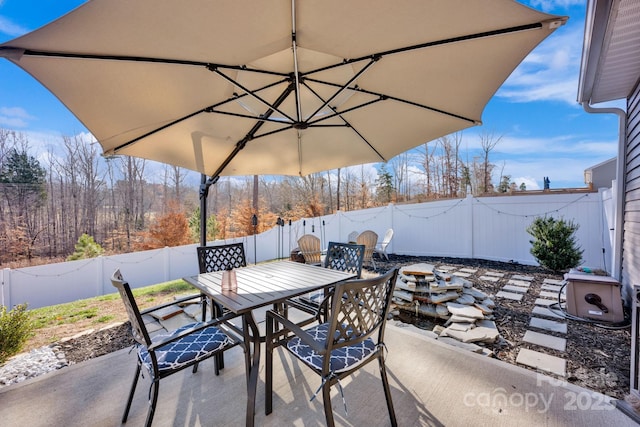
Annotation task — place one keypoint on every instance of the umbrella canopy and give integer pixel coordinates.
(288, 87)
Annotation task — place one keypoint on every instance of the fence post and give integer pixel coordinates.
(99, 275)
(5, 279)
(166, 259)
(392, 208)
(469, 203)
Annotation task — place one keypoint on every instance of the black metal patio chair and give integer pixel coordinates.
(340, 256)
(171, 352)
(352, 336)
(219, 258)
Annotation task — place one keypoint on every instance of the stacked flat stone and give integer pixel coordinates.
(423, 290)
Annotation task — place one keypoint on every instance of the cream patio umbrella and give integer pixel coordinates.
(289, 87)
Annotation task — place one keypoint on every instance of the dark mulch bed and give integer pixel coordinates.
(597, 358)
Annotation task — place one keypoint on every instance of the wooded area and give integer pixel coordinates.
(50, 200)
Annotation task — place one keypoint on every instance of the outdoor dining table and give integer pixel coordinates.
(258, 286)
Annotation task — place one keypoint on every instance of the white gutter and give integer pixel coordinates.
(616, 262)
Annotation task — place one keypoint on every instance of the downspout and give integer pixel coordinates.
(616, 262)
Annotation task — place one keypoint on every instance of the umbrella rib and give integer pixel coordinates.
(393, 98)
(169, 124)
(4, 50)
(336, 114)
(342, 88)
(247, 116)
(271, 107)
(209, 109)
(484, 34)
(346, 124)
(251, 134)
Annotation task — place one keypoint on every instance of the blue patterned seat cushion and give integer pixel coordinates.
(342, 359)
(195, 346)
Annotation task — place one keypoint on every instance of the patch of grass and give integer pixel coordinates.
(90, 308)
(173, 287)
(109, 297)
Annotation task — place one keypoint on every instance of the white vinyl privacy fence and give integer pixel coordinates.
(492, 228)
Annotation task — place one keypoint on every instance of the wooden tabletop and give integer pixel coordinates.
(263, 284)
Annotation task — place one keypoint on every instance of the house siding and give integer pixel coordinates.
(631, 237)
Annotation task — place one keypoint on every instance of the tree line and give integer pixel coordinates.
(52, 201)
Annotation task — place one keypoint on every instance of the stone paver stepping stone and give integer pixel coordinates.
(552, 281)
(494, 273)
(544, 311)
(520, 277)
(552, 295)
(518, 289)
(509, 295)
(459, 274)
(468, 270)
(545, 302)
(549, 325)
(445, 268)
(550, 287)
(545, 340)
(490, 278)
(544, 362)
(521, 283)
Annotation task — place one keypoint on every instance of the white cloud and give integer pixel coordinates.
(14, 117)
(562, 144)
(529, 182)
(11, 29)
(15, 112)
(550, 72)
(553, 5)
(12, 122)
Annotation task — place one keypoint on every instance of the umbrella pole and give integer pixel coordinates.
(204, 192)
(289, 237)
(282, 237)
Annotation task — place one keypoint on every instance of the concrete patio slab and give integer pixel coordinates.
(432, 384)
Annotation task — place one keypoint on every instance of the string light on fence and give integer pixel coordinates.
(557, 210)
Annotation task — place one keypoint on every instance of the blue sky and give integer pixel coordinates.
(544, 132)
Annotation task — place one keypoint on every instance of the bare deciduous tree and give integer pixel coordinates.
(488, 142)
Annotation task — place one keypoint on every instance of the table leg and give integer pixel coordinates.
(252, 360)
